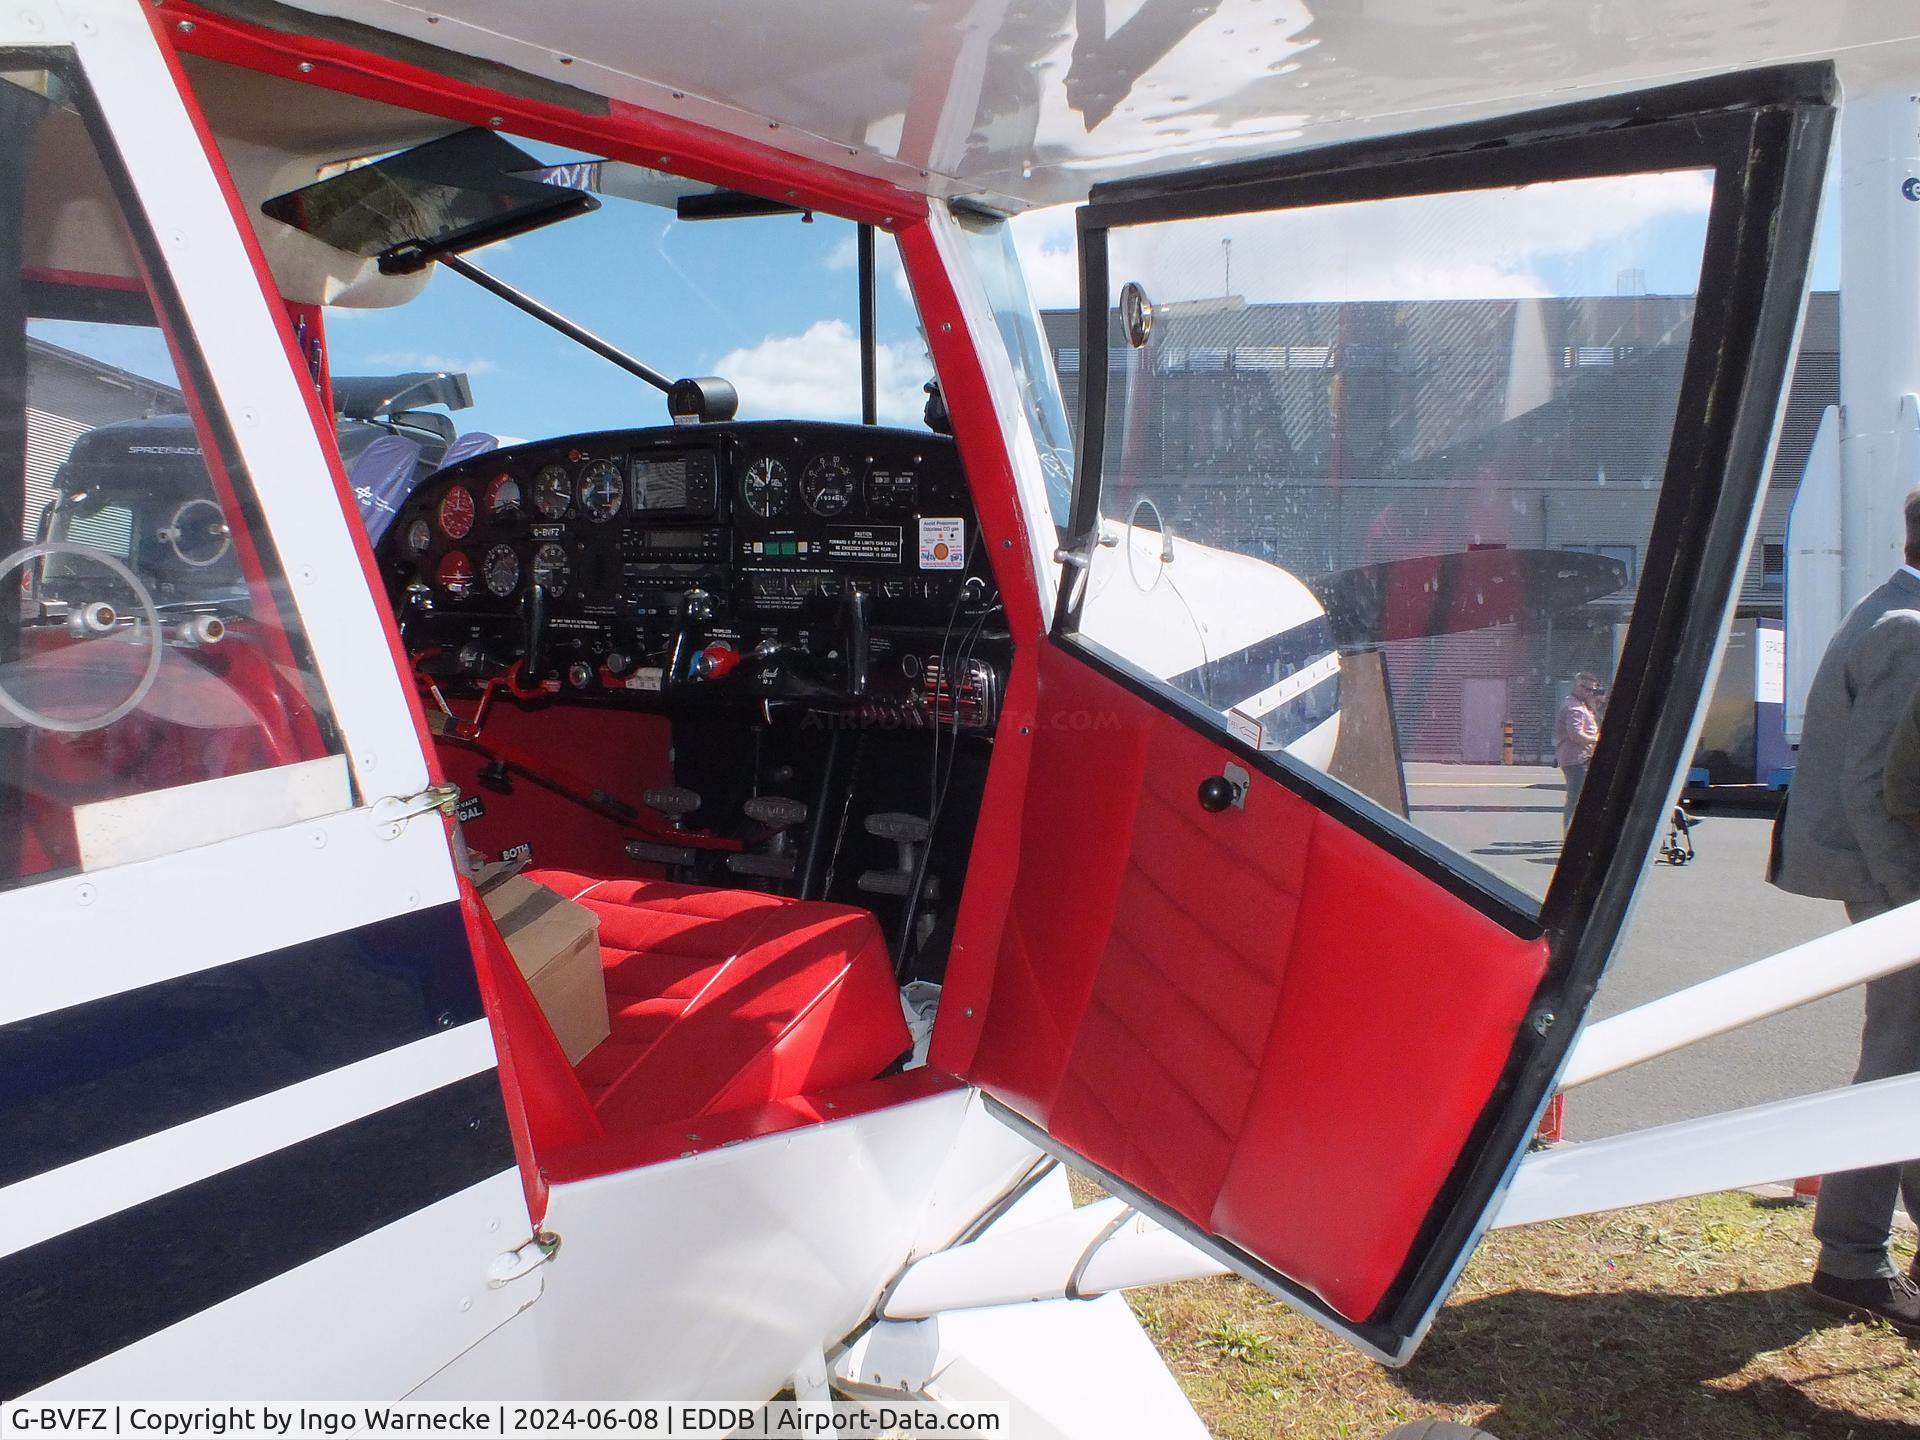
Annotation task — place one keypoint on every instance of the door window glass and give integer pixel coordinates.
(148, 640)
(1355, 460)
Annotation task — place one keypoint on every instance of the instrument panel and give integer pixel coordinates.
(821, 562)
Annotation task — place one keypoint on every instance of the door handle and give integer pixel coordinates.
(1227, 789)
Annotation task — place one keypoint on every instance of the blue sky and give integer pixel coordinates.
(768, 302)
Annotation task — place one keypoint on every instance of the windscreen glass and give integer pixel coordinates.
(1379, 480)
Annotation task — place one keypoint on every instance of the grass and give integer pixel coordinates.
(1682, 1320)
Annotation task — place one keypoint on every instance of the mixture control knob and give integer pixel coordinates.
(580, 674)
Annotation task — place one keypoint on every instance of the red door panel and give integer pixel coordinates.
(1401, 1006)
(1177, 992)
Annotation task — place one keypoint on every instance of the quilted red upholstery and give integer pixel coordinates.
(720, 999)
(1259, 1018)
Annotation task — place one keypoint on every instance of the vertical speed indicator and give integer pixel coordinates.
(553, 492)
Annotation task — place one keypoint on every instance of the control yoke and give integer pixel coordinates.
(535, 609)
(858, 640)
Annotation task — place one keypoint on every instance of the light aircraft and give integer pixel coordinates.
(813, 715)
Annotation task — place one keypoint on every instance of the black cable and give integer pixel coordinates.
(910, 909)
(963, 658)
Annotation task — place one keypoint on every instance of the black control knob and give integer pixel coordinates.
(1216, 794)
(673, 801)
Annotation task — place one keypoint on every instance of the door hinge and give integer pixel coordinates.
(507, 1268)
(392, 812)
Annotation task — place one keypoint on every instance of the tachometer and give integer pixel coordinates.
(553, 491)
(503, 496)
(764, 487)
(600, 487)
(827, 485)
(502, 571)
(551, 569)
(419, 537)
(456, 512)
(456, 574)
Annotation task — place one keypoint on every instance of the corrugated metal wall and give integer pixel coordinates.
(1594, 474)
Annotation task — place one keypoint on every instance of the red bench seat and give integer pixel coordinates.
(720, 999)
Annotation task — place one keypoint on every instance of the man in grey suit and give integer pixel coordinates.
(1839, 841)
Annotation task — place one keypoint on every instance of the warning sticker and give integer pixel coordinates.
(943, 544)
(877, 543)
(1248, 728)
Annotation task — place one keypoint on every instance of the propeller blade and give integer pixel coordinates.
(1461, 591)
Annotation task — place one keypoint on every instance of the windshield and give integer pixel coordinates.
(767, 301)
(994, 253)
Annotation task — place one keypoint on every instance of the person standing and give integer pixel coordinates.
(1576, 730)
(1838, 841)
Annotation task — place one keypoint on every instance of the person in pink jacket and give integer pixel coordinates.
(1576, 730)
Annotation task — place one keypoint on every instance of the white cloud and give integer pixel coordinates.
(816, 375)
(1569, 237)
(1050, 256)
(845, 255)
(426, 360)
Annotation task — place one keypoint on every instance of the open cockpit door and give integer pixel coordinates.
(1404, 467)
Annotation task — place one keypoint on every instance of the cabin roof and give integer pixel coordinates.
(1030, 102)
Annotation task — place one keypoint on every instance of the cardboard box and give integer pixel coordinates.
(556, 944)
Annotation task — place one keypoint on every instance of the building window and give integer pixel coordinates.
(1773, 566)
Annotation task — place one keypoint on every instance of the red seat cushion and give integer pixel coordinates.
(723, 998)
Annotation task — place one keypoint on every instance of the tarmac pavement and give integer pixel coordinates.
(1691, 922)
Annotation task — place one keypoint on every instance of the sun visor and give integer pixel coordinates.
(306, 269)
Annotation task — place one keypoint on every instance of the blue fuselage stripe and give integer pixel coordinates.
(93, 1290)
(93, 1076)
